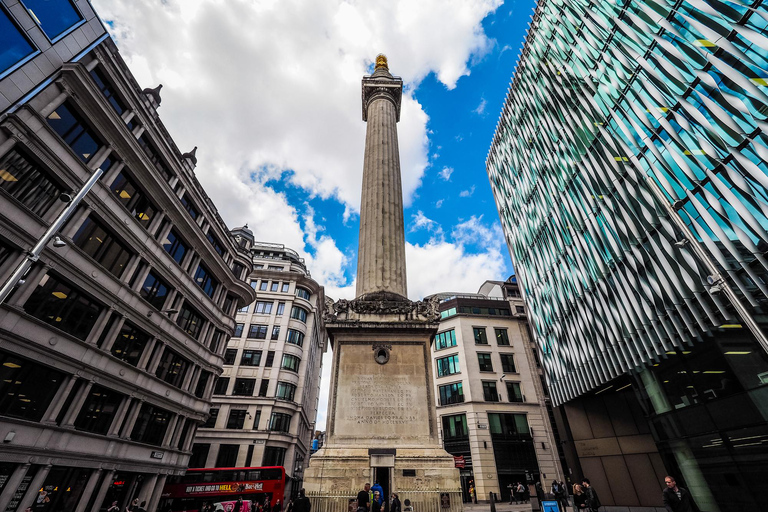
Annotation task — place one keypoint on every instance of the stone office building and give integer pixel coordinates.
(492, 406)
(110, 344)
(265, 403)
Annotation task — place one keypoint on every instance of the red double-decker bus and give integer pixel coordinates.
(218, 489)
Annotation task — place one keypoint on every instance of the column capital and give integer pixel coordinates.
(382, 85)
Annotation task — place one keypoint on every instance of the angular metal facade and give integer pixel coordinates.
(629, 170)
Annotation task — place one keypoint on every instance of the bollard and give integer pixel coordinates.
(493, 501)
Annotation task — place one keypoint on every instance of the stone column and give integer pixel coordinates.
(12, 484)
(111, 336)
(58, 402)
(153, 501)
(381, 253)
(31, 282)
(77, 404)
(117, 422)
(102, 493)
(137, 404)
(34, 486)
(88, 491)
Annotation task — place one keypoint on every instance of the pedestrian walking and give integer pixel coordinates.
(562, 495)
(676, 498)
(363, 499)
(593, 501)
(579, 498)
(302, 503)
(512, 496)
(394, 504)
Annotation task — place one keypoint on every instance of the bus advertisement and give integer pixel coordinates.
(218, 490)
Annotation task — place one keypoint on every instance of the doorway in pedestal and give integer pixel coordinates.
(383, 476)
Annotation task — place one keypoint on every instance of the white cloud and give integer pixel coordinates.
(421, 221)
(439, 203)
(467, 193)
(445, 173)
(480, 110)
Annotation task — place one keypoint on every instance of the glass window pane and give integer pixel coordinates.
(14, 47)
(54, 16)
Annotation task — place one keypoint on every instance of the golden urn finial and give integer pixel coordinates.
(381, 61)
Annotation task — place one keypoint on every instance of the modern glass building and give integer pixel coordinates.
(629, 170)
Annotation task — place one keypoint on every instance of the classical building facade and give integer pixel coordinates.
(265, 402)
(111, 342)
(629, 167)
(490, 400)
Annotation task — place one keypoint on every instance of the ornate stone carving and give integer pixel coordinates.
(421, 310)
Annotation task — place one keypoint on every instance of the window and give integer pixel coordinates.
(445, 339)
(448, 313)
(199, 455)
(303, 293)
(285, 390)
(190, 321)
(275, 267)
(263, 387)
(451, 394)
(455, 427)
(218, 335)
(263, 308)
(280, 422)
(100, 79)
(238, 330)
(508, 425)
(244, 387)
(205, 281)
(202, 383)
(98, 410)
(220, 388)
(75, 132)
(480, 337)
(219, 248)
(285, 287)
(238, 269)
(257, 331)
(58, 304)
(448, 365)
(275, 286)
(154, 156)
(187, 203)
(489, 391)
(256, 419)
(502, 338)
(243, 309)
(467, 310)
(15, 45)
(295, 337)
(128, 193)
(212, 417)
(270, 359)
(264, 285)
(175, 247)
(230, 355)
(129, 344)
(26, 181)
(236, 419)
(251, 358)
(273, 456)
(508, 363)
(229, 301)
(275, 332)
(151, 425)
(227, 457)
(484, 360)
(280, 308)
(299, 314)
(290, 363)
(514, 392)
(26, 388)
(172, 368)
(55, 17)
(101, 245)
(255, 284)
(519, 310)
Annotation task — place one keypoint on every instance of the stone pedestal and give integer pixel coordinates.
(381, 424)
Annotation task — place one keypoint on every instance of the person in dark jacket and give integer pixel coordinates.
(593, 502)
(302, 503)
(376, 502)
(677, 499)
(394, 505)
(579, 498)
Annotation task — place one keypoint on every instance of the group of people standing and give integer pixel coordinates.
(371, 499)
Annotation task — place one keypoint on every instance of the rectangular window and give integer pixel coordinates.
(230, 355)
(295, 337)
(227, 457)
(275, 286)
(251, 358)
(172, 368)
(257, 331)
(480, 337)
(263, 387)
(448, 365)
(202, 383)
(275, 332)
(256, 419)
(489, 391)
(273, 456)
(238, 330)
(280, 308)
(55, 17)
(57, 303)
(154, 156)
(270, 359)
(520, 310)
(187, 203)
(174, 246)
(199, 455)
(484, 360)
(508, 425)
(205, 280)
(455, 427)
(263, 308)
(237, 270)
(303, 293)
(26, 388)
(243, 309)
(220, 388)
(263, 286)
(128, 193)
(451, 394)
(299, 314)
(508, 363)
(236, 419)
(190, 321)
(98, 410)
(16, 47)
(75, 132)
(514, 392)
(502, 338)
(255, 284)
(276, 268)
(212, 417)
(285, 287)
(445, 339)
(27, 181)
(290, 363)
(244, 387)
(229, 301)
(280, 422)
(217, 246)
(285, 390)
(104, 85)
(151, 425)
(130, 344)
(102, 245)
(216, 339)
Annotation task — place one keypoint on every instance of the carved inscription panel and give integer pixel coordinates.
(382, 400)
